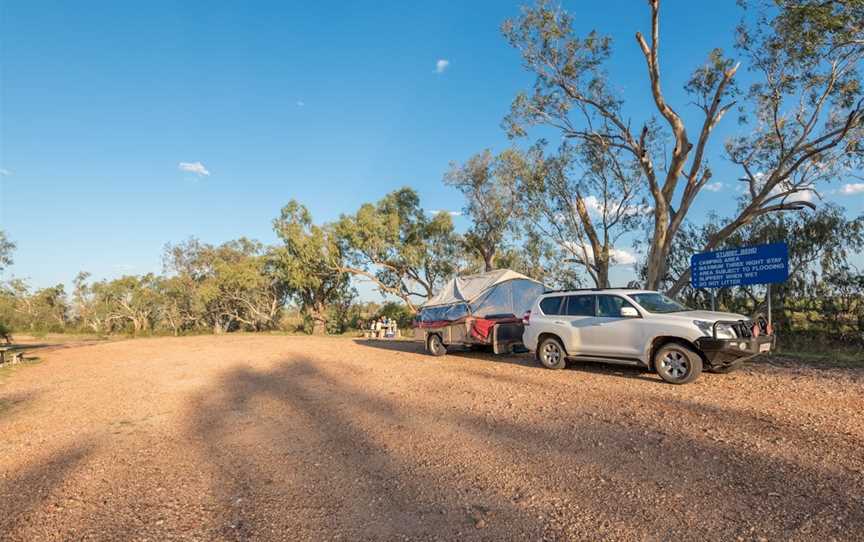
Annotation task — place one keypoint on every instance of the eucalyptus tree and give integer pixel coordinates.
(584, 199)
(801, 118)
(129, 303)
(234, 285)
(394, 243)
(310, 263)
(486, 182)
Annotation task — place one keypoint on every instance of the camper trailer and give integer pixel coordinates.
(477, 310)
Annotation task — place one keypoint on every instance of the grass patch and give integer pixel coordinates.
(840, 356)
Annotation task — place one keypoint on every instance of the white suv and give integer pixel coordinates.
(641, 328)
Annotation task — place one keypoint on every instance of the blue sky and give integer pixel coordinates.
(330, 103)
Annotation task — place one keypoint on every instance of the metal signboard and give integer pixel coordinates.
(759, 264)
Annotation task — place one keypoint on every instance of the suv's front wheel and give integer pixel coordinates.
(551, 353)
(677, 364)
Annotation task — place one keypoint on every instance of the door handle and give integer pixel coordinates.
(560, 322)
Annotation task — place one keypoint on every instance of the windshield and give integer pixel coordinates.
(654, 302)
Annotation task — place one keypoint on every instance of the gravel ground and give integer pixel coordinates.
(297, 438)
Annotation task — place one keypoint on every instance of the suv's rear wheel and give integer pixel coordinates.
(677, 364)
(551, 353)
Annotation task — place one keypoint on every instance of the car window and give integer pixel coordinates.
(551, 306)
(610, 305)
(659, 303)
(580, 305)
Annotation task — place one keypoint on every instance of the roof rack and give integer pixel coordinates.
(590, 289)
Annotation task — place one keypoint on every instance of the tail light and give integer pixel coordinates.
(769, 329)
(526, 318)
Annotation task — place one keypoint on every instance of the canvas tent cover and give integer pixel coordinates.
(496, 293)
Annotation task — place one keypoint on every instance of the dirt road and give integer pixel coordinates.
(294, 438)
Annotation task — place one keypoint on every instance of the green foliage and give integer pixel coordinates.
(231, 286)
(43, 310)
(489, 186)
(394, 243)
(6, 249)
(567, 68)
(802, 114)
(310, 264)
(582, 200)
(823, 300)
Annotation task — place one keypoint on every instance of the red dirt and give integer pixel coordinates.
(294, 438)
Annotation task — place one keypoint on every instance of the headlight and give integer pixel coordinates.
(704, 327)
(724, 331)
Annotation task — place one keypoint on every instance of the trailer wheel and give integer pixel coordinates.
(435, 346)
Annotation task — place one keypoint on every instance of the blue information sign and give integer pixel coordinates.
(759, 264)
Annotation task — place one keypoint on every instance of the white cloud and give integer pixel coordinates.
(622, 257)
(451, 213)
(595, 207)
(194, 167)
(804, 195)
(5, 172)
(714, 187)
(301, 103)
(441, 65)
(619, 256)
(852, 188)
(593, 204)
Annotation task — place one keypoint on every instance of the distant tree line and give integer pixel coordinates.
(561, 213)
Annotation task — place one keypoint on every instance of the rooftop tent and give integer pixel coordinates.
(496, 293)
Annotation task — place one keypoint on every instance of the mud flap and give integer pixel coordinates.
(497, 346)
(507, 337)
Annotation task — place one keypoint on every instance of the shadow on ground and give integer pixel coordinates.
(306, 450)
(24, 491)
(522, 360)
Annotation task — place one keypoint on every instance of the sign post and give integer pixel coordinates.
(769, 304)
(758, 264)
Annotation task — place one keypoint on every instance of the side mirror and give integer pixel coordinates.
(629, 312)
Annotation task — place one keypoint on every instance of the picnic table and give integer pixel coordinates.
(11, 354)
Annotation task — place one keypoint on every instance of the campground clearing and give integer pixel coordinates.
(251, 437)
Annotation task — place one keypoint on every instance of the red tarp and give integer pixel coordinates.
(480, 328)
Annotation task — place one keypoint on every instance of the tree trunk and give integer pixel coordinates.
(658, 251)
(319, 321)
(743, 218)
(319, 327)
(488, 259)
(601, 267)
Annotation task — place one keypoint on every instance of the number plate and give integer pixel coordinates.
(765, 347)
